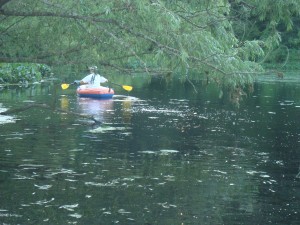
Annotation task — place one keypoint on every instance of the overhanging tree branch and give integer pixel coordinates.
(52, 14)
(168, 49)
(184, 35)
(3, 2)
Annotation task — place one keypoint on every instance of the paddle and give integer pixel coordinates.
(125, 87)
(65, 86)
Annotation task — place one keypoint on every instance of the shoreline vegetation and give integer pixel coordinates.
(18, 73)
(23, 73)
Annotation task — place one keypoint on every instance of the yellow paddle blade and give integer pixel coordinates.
(127, 88)
(65, 86)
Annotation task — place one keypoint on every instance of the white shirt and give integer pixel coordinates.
(94, 83)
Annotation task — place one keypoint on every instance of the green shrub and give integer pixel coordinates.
(16, 72)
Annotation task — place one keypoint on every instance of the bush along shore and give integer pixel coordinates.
(17, 73)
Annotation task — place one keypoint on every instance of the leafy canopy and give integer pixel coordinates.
(153, 36)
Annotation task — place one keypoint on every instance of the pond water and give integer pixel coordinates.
(160, 154)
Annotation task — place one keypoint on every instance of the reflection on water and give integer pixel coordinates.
(5, 118)
(64, 102)
(127, 110)
(100, 109)
(156, 161)
(95, 107)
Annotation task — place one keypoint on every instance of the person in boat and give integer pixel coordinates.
(93, 79)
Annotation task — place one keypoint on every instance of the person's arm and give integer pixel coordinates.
(82, 82)
(102, 79)
(85, 80)
(79, 82)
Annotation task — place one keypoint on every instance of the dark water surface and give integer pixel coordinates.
(163, 155)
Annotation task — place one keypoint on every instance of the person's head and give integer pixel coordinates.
(93, 69)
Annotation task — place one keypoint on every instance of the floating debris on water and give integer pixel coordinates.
(31, 165)
(9, 215)
(43, 202)
(166, 205)
(20, 177)
(147, 152)
(43, 187)
(76, 215)
(164, 111)
(122, 98)
(76, 150)
(69, 207)
(71, 180)
(123, 211)
(264, 176)
(219, 171)
(161, 152)
(167, 151)
(106, 129)
(109, 184)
